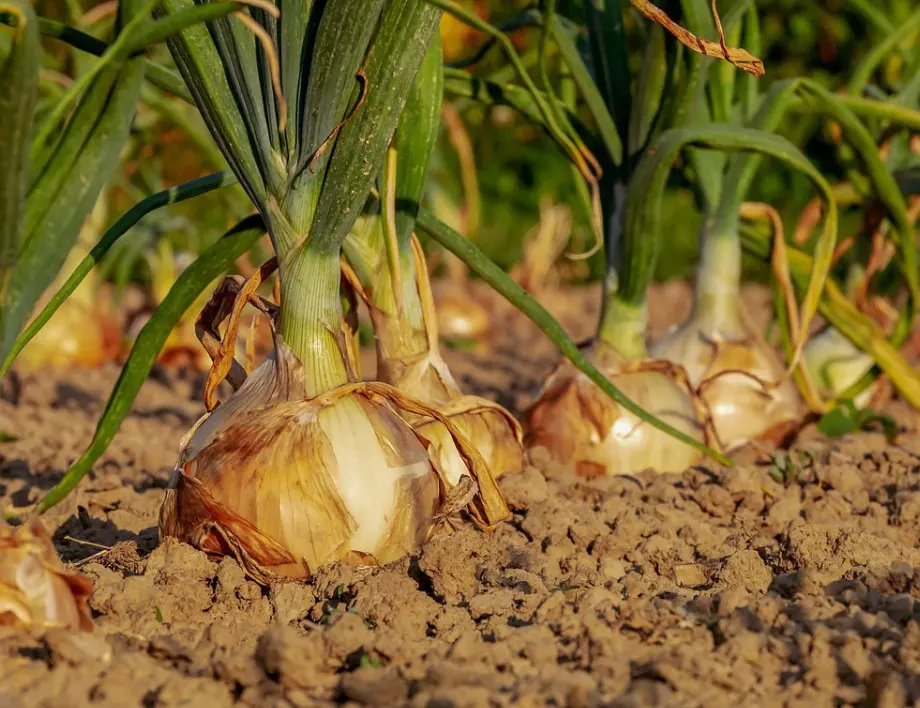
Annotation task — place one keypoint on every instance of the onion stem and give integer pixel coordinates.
(718, 277)
(623, 326)
(311, 318)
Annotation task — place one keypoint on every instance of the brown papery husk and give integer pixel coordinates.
(35, 588)
(740, 378)
(577, 423)
(257, 478)
(489, 426)
(494, 432)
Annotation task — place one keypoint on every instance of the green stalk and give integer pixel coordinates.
(543, 104)
(880, 52)
(311, 318)
(18, 91)
(384, 262)
(399, 325)
(644, 206)
(130, 218)
(717, 286)
(623, 326)
(363, 57)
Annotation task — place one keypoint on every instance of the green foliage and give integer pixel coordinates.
(18, 92)
(416, 139)
(846, 418)
(66, 175)
(172, 195)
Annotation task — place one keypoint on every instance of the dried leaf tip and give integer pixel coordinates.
(740, 58)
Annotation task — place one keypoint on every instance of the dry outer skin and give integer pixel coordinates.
(707, 588)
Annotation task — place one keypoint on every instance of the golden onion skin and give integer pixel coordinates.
(35, 590)
(292, 486)
(579, 424)
(742, 408)
(489, 427)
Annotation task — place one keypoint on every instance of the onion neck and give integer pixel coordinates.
(718, 277)
(399, 327)
(623, 327)
(400, 331)
(311, 318)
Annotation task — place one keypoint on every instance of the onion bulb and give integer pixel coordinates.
(287, 484)
(736, 372)
(76, 335)
(577, 422)
(834, 364)
(489, 426)
(426, 377)
(459, 315)
(83, 331)
(35, 590)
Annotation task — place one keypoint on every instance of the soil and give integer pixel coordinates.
(715, 587)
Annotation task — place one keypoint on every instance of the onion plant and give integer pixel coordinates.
(715, 342)
(387, 268)
(303, 103)
(572, 417)
(653, 122)
(836, 365)
(295, 167)
(740, 382)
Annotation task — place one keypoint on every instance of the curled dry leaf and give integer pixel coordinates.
(737, 57)
(35, 589)
(577, 422)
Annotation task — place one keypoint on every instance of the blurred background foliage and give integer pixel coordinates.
(492, 170)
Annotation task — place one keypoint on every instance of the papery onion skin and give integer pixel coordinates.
(495, 433)
(35, 589)
(743, 408)
(490, 427)
(290, 485)
(834, 364)
(579, 424)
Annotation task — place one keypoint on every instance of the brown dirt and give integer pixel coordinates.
(712, 587)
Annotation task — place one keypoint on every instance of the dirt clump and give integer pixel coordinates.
(716, 587)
